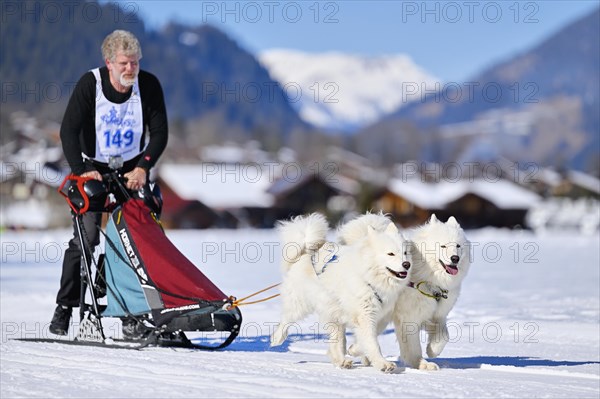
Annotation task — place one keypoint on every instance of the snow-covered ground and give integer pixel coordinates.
(526, 325)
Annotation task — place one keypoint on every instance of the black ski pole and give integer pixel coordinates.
(86, 279)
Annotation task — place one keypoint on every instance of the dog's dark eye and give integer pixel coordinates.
(391, 254)
(405, 253)
(457, 245)
(443, 246)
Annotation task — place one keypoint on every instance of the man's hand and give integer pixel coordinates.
(93, 174)
(136, 179)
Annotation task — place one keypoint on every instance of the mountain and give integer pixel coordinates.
(205, 75)
(213, 74)
(338, 91)
(540, 106)
(552, 90)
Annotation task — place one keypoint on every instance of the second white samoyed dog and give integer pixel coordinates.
(354, 286)
(440, 259)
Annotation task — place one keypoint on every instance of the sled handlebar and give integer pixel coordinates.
(115, 180)
(85, 194)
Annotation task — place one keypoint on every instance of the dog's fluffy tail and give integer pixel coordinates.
(357, 229)
(302, 235)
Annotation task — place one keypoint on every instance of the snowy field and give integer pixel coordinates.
(526, 325)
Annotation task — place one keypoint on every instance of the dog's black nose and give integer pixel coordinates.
(454, 259)
(406, 265)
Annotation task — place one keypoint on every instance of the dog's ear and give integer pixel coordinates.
(433, 218)
(370, 230)
(391, 230)
(452, 221)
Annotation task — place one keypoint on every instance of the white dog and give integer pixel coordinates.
(354, 286)
(440, 258)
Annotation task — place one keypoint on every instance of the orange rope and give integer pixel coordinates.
(240, 302)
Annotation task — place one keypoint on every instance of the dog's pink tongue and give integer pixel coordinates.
(453, 270)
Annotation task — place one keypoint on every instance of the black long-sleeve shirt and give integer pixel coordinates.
(78, 131)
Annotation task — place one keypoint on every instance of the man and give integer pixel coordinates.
(109, 114)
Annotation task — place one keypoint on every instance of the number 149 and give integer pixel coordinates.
(118, 139)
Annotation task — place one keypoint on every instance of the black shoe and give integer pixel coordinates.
(134, 329)
(60, 321)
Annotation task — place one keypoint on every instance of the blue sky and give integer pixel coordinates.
(453, 40)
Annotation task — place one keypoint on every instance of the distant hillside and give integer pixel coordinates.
(565, 65)
(204, 73)
(345, 91)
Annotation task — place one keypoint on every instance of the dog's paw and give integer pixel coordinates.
(386, 367)
(346, 364)
(429, 366)
(354, 351)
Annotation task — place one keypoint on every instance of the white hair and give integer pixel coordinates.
(120, 40)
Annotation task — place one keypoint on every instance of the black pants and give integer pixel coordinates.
(70, 281)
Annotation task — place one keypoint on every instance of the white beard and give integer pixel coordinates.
(127, 82)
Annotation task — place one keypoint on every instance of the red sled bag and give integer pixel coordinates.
(147, 275)
(157, 292)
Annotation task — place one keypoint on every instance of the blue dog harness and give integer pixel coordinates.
(331, 259)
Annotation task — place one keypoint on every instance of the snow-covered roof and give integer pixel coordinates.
(220, 186)
(547, 176)
(342, 184)
(502, 193)
(427, 195)
(584, 180)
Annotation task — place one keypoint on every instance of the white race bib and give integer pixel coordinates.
(119, 127)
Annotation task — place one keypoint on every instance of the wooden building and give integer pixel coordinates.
(475, 203)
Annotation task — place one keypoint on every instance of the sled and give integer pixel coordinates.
(141, 273)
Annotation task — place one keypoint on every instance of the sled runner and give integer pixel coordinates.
(145, 278)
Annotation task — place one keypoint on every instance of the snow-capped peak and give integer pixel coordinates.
(335, 90)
